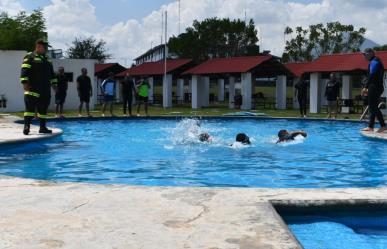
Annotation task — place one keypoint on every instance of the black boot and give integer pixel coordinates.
(43, 129)
(27, 124)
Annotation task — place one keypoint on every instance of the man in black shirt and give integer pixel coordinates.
(127, 88)
(85, 91)
(302, 95)
(60, 95)
(332, 93)
(374, 88)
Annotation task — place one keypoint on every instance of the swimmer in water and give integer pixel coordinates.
(285, 136)
(205, 137)
(243, 139)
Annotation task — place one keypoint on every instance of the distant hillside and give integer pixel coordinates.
(368, 44)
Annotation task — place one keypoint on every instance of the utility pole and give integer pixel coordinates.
(179, 16)
(165, 46)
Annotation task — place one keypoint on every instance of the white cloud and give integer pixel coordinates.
(12, 7)
(129, 38)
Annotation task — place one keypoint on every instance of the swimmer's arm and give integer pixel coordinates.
(296, 133)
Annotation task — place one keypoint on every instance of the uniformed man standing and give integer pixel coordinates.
(37, 77)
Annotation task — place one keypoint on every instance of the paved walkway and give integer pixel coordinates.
(11, 132)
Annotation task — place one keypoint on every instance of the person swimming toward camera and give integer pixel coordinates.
(205, 137)
(243, 139)
(286, 136)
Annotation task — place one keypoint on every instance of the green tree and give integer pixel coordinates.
(316, 40)
(214, 38)
(21, 32)
(88, 48)
(381, 48)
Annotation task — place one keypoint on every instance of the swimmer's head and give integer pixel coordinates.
(283, 135)
(243, 138)
(204, 137)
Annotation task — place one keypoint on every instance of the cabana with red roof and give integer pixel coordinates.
(155, 70)
(247, 68)
(347, 64)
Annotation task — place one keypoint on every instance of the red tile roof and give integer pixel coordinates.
(342, 62)
(229, 65)
(297, 68)
(155, 68)
(100, 67)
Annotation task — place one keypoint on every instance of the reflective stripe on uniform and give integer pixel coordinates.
(25, 65)
(37, 59)
(32, 94)
(29, 114)
(42, 115)
(24, 79)
(54, 81)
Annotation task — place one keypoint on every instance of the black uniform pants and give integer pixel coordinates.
(374, 94)
(127, 100)
(302, 104)
(36, 104)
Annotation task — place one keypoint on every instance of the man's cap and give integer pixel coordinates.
(43, 41)
(368, 51)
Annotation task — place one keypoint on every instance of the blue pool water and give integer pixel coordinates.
(350, 231)
(167, 153)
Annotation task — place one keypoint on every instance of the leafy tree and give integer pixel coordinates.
(21, 32)
(381, 48)
(316, 40)
(214, 38)
(88, 48)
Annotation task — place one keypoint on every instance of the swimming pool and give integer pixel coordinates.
(343, 229)
(165, 152)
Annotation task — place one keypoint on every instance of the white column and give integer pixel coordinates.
(281, 92)
(231, 92)
(180, 89)
(296, 105)
(151, 87)
(167, 91)
(246, 91)
(315, 82)
(195, 90)
(346, 91)
(205, 91)
(220, 90)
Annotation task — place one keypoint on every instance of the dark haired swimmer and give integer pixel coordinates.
(205, 137)
(285, 136)
(243, 138)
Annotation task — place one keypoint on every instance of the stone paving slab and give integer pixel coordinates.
(375, 135)
(38, 214)
(11, 132)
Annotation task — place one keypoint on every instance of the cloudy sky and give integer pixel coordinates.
(130, 27)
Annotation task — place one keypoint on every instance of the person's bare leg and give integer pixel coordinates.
(146, 109)
(138, 108)
(88, 109)
(80, 109)
(103, 109)
(61, 110)
(56, 110)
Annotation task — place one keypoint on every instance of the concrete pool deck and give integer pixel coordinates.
(39, 214)
(11, 132)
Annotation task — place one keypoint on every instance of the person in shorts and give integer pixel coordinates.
(108, 89)
(143, 95)
(332, 93)
(85, 91)
(61, 93)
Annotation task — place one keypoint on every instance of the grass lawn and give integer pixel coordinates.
(211, 111)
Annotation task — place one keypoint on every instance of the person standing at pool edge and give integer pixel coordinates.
(60, 96)
(332, 93)
(127, 90)
(302, 95)
(85, 91)
(108, 87)
(37, 76)
(374, 88)
(143, 92)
